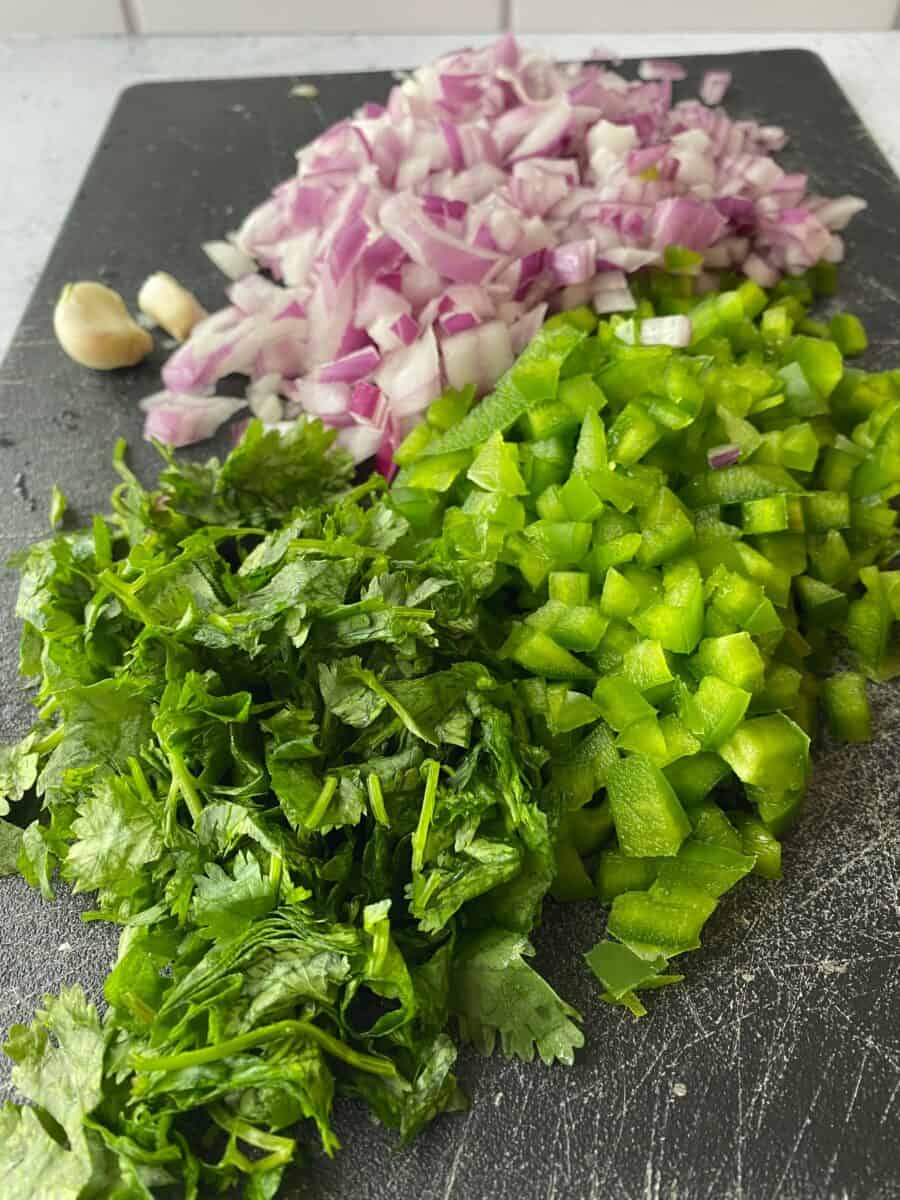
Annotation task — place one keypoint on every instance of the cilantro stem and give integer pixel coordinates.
(51, 741)
(123, 592)
(320, 808)
(370, 1063)
(281, 1149)
(140, 782)
(182, 777)
(420, 837)
(376, 801)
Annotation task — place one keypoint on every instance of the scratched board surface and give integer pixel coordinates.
(774, 1070)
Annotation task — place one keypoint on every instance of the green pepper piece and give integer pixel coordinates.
(569, 587)
(618, 873)
(645, 737)
(413, 445)
(545, 463)
(870, 620)
(568, 709)
(620, 702)
(848, 334)
(647, 814)
(677, 621)
(564, 543)
(769, 752)
(437, 472)
(577, 627)
(619, 597)
(715, 710)
(667, 529)
(589, 828)
(571, 881)
(590, 459)
(706, 866)
(712, 825)
(820, 603)
(613, 553)
(694, 778)
(632, 434)
(584, 771)
(550, 505)
(581, 394)
(646, 665)
(769, 515)
(537, 652)
(580, 501)
(530, 559)
(776, 325)
(496, 467)
(550, 419)
(826, 510)
(756, 839)
(848, 709)
(778, 807)
(734, 658)
(448, 410)
(735, 485)
(533, 378)
(829, 558)
(622, 974)
(821, 362)
(420, 506)
(652, 927)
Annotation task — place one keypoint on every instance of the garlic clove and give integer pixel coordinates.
(169, 305)
(95, 328)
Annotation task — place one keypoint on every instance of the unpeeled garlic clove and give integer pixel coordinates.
(95, 328)
(169, 305)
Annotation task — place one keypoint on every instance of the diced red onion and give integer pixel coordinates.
(661, 68)
(666, 331)
(494, 186)
(723, 456)
(364, 400)
(405, 329)
(714, 85)
(181, 420)
(457, 322)
(573, 262)
(351, 367)
(757, 269)
(480, 356)
(229, 259)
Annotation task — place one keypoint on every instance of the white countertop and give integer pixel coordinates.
(56, 94)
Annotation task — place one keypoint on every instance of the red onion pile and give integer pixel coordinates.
(421, 244)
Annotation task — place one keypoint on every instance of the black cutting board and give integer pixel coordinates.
(773, 1072)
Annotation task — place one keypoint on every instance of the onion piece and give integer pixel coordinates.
(713, 86)
(666, 331)
(723, 456)
(229, 259)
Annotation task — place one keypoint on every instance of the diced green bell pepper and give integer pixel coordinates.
(618, 873)
(647, 813)
(847, 707)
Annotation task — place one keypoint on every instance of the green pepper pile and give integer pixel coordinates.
(674, 617)
(321, 751)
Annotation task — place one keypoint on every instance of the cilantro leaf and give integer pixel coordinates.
(494, 991)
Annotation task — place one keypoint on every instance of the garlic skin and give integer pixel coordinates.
(169, 305)
(95, 328)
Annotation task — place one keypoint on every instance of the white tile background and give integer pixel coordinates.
(602, 17)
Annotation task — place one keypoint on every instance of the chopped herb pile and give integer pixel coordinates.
(322, 750)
